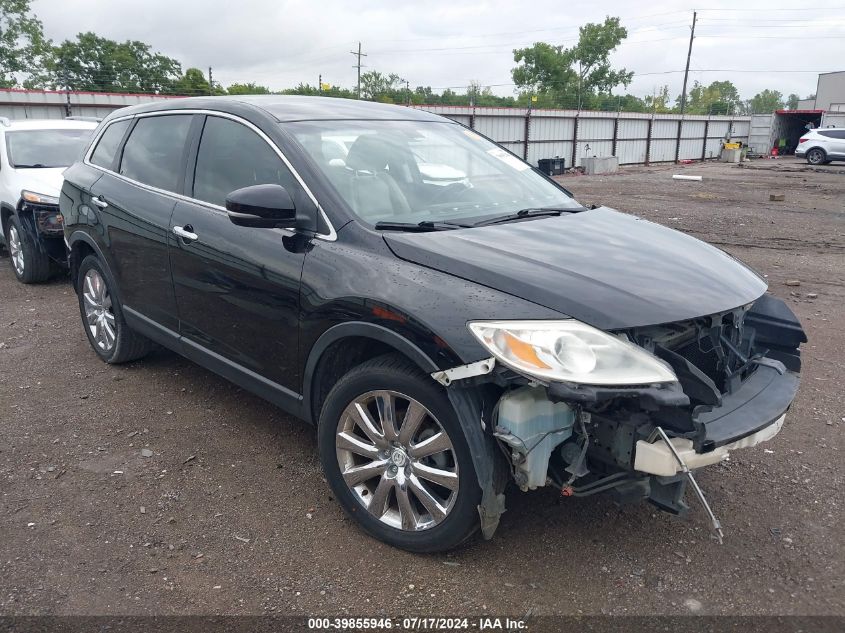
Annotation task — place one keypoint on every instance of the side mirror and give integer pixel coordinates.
(261, 206)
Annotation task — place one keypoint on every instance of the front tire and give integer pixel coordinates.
(29, 264)
(102, 316)
(396, 457)
(816, 156)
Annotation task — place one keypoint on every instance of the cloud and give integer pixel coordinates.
(449, 43)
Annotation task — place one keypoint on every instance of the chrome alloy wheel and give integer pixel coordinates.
(397, 460)
(16, 250)
(98, 310)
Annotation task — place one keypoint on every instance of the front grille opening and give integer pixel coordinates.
(721, 346)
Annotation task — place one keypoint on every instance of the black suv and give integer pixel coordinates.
(450, 318)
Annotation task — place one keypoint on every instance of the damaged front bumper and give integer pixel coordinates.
(656, 458)
(738, 374)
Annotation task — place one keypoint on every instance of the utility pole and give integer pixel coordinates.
(686, 70)
(210, 82)
(359, 55)
(319, 84)
(408, 90)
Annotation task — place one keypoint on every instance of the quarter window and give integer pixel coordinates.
(154, 151)
(232, 156)
(107, 145)
(833, 133)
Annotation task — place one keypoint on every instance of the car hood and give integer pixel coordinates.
(609, 269)
(46, 180)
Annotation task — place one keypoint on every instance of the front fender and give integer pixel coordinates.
(360, 329)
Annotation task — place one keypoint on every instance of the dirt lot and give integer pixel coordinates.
(230, 514)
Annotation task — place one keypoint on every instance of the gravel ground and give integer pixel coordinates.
(158, 488)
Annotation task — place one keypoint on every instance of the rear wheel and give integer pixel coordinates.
(395, 455)
(816, 156)
(29, 264)
(102, 316)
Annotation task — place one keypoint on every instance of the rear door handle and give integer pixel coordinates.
(185, 232)
(99, 201)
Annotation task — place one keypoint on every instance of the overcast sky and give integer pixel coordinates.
(447, 43)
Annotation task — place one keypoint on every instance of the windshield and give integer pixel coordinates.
(412, 171)
(45, 148)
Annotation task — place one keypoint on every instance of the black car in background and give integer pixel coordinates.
(449, 318)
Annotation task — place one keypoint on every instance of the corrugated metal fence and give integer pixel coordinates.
(46, 104)
(633, 137)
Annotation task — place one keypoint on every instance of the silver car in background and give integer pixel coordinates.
(821, 146)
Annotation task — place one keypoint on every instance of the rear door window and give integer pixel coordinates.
(232, 156)
(154, 153)
(109, 142)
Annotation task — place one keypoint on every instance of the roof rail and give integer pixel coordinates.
(5, 121)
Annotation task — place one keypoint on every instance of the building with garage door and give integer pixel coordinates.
(783, 129)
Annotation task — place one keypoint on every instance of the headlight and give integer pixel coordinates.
(570, 351)
(38, 198)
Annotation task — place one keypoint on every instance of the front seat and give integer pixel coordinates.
(375, 194)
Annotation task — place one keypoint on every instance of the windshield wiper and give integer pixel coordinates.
(526, 213)
(420, 227)
(34, 166)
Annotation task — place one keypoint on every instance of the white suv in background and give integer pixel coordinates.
(33, 155)
(822, 145)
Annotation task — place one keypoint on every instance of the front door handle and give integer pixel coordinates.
(186, 233)
(99, 201)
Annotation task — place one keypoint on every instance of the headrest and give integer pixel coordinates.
(370, 152)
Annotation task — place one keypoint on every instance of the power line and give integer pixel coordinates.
(658, 72)
(506, 46)
(798, 24)
(768, 10)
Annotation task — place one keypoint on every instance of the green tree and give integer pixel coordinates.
(377, 86)
(248, 89)
(425, 95)
(479, 95)
(192, 83)
(99, 64)
(450, 97)
(765, 102)
(658, 102)
(22, 43)
(720, 97)
(573, 75)
(792, 101)
(618, 103)
(308, 89)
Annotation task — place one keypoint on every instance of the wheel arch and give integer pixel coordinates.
(344, 346)
(816, 147)
(6, 211)
(80, 245)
